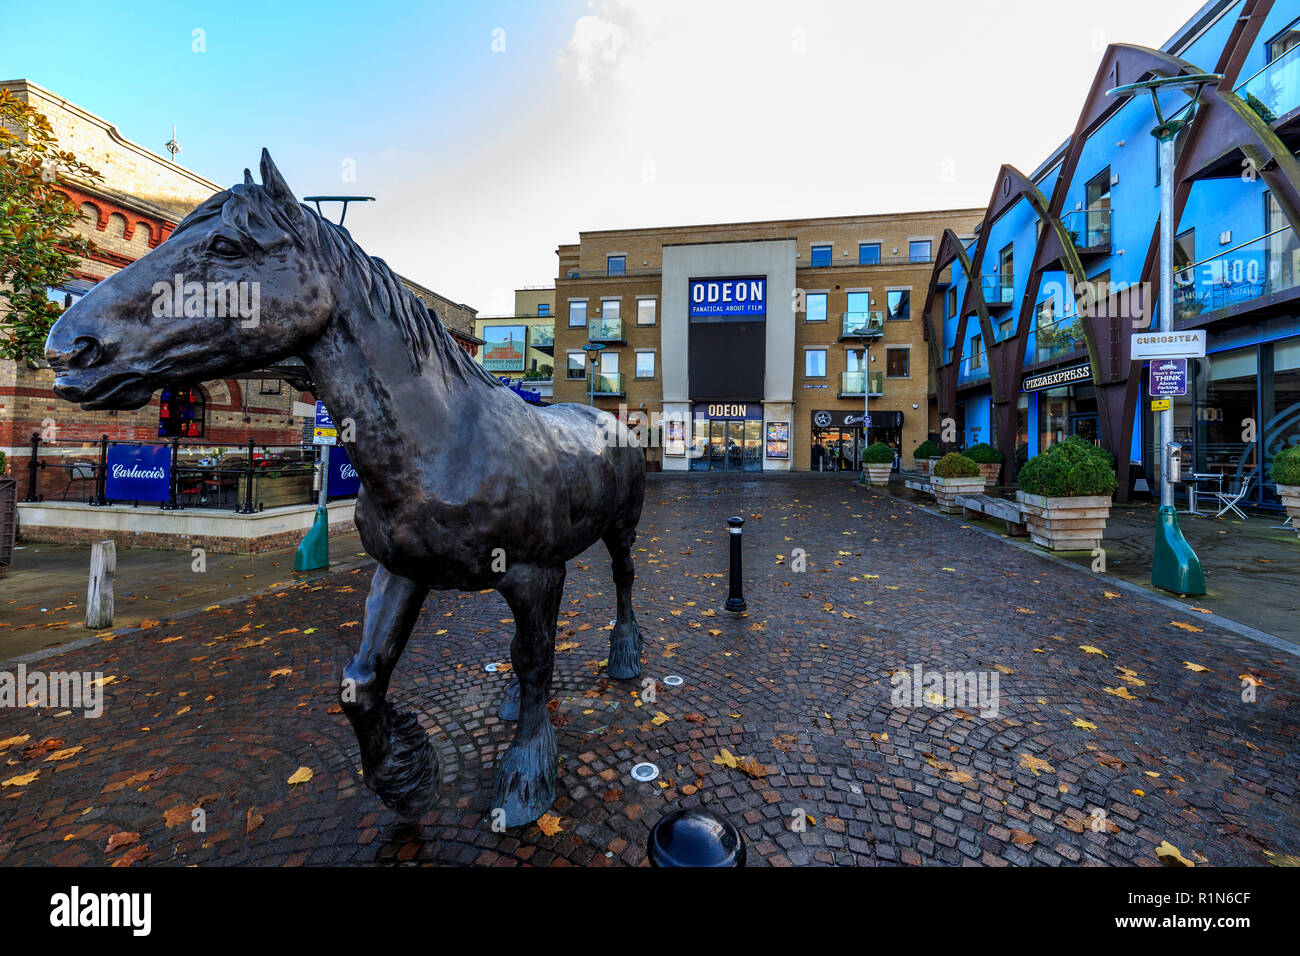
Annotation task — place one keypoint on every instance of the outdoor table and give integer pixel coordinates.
(1190, 482)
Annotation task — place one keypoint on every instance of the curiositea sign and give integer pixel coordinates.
(728, 297)
(1157, 345)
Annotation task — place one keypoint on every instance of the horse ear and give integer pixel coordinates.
(248, 178)
(274, 183)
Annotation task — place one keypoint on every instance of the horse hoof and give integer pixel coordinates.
(509, 709)
(525, 781)
(406, 780)
(625, 656)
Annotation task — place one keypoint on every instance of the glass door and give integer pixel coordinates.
(753, 457)
(735, 444)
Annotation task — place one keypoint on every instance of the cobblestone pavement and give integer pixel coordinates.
(1105, 742)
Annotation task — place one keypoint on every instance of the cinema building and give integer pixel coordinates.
(1034, 315)
(754, 346)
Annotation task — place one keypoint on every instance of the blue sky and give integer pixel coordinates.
(492, 132)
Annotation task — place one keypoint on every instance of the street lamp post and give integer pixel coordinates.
(593, 350)
(1175, 566)
(866, 410)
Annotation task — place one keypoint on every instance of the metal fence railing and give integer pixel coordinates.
(244, 479)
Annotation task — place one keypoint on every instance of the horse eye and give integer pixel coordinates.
(221, 246)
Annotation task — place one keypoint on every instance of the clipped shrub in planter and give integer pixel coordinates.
(924, 452)
(1285, 473)
(1065, 494)
(989, 459)
(880, 462)
(955, 475)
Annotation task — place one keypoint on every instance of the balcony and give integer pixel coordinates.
(605, 273)
(1058, 337)
(609, 330)
(1274, 91)
(542, 338)
(1238, 276)
(862, 325)
(1089, 231)
(998, 289)
(851, 384)
(973, 370)
(852, 262)
(605, 384)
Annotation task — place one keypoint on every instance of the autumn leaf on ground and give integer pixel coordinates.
(746, 765)
(694, 717)
(1084, 724)
(1121, 692)
(133, 855)
(660, 718)
(566, 646)
(1035, 764)
(549, 824)
(959, 776)
(14, 741)
(282, 672)
(1089, 649)
(1250, 679)
(177, 815)
(1021, 838)
(301, 775)
(1109, 595)
(1194, 667)
(1168, 854)
(119, 840)
(22, 780)
(1187, 627)
(253, 820)
(1200, 610)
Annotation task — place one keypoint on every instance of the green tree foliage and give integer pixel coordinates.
(1073, 468)
(953, 465)
(38, 245)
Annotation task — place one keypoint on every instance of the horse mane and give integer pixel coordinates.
(244, 207)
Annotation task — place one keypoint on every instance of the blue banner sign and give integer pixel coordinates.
(323, 419)
(1168, 377)
(344, 481)
(728, 297)
(138, 473)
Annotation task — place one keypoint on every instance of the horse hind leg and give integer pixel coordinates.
(625, 638)
(397, 760)
(525, 781)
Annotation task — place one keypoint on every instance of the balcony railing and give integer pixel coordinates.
(862, 325)
(604, 273)
(1252, 270)
(1061, 336)
(602, 383)
(605, 330)
(851, 383)
(998, 288)
(1274, 91)
(1089, 229)
(971, 372)
(541, 336)
(851, 262)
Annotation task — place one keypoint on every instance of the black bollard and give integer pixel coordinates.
(735, 599)
(695, 837)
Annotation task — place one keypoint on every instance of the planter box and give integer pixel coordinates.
(921, 465)
(1065, 524)
(1290, 495)
(946, 491)
(879, 474)
(989, 472)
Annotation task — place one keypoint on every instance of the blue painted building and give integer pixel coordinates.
(1032, 316)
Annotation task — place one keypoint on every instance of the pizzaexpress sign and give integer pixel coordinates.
(728, 297)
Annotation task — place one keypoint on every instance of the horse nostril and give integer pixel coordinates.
(86, 351)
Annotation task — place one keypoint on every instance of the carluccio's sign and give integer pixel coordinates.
(1061, 376)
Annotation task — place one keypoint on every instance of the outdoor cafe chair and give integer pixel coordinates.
(82, 471)
(1229, 499)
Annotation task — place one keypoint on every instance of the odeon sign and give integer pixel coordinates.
(728, 296)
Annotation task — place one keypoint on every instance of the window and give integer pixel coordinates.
(815, 307)
(609, 308)
(952, 303)
(577, 366)
(868, 253)
(898, 363)
(645, 365)
(814, 363)
(645, 311)
(616, 265)
(1006, 330)
(180, 413)
(608, 363)
(900, 304)
(976, 351)
(1284, 42)
(1005, 261)
(821, 256)
(1184, 256)
(918, 250)
(543, 308)
(858, 307)
(577, 313)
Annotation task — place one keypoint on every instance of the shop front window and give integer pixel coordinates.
(1226, 385)
(180, 413)
(1281, 428)
(1053, 416)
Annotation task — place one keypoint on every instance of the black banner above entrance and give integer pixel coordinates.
(1060, 376)
(838, 418)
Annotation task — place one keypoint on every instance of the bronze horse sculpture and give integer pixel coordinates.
(546, 484)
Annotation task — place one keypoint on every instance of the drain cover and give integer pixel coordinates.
(672, 680)
(645, 772)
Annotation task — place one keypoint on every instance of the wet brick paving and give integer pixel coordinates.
(1092, 757)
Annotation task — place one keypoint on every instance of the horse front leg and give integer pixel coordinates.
(525, 782)
(397, 760)
(625, 638)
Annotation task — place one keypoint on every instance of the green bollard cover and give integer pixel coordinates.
(314, 551)
(1176, 567)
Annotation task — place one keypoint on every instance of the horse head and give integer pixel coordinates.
(236, 287)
